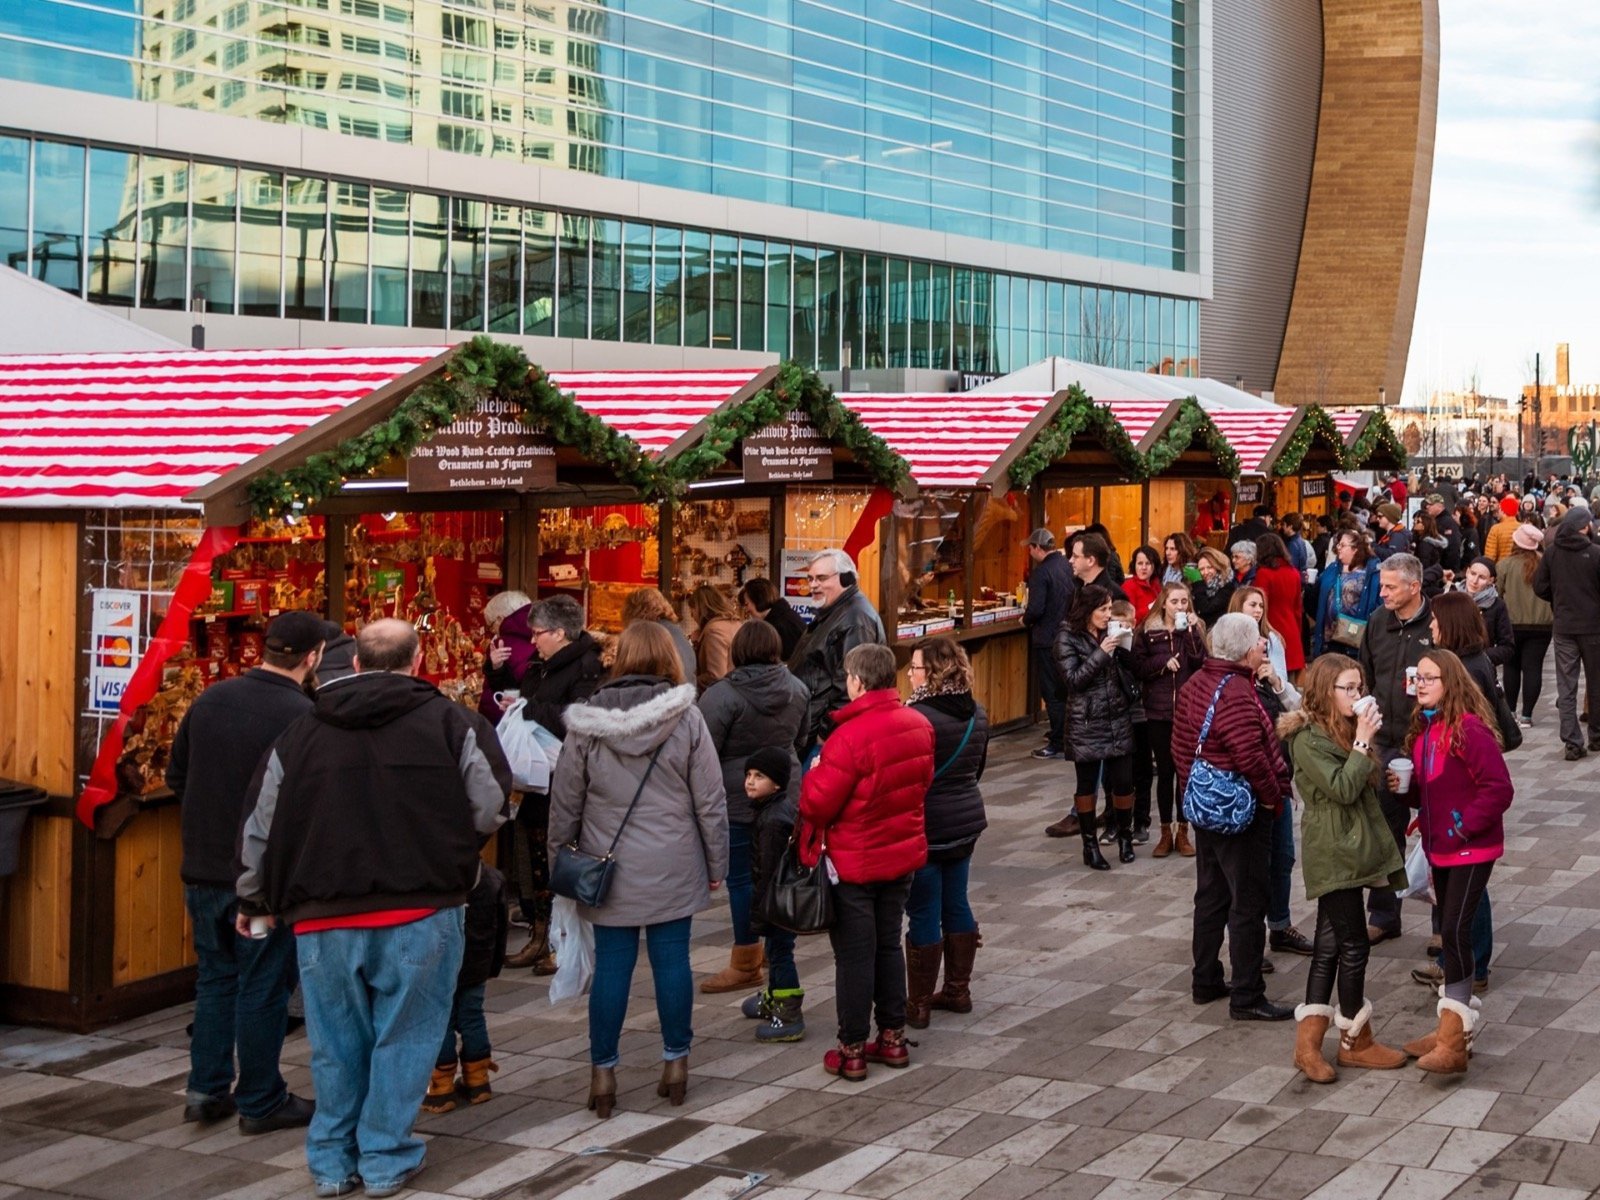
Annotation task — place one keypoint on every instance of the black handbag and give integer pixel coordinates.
(798, 898)
(585, 877)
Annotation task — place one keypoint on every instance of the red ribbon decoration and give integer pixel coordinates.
(194, 587)
(879, 505)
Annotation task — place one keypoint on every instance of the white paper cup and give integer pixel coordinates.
(1402, 772)
(1180, 620)
(1363, 704)
(260, 927)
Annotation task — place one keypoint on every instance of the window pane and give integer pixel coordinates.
(872, 295)
(851, 307)
(921, 305)
(538, 272)
(805, 305)
(352, 203)
(260, 243)
(605, 281)
(14, 152)
(58, 176)
(752, 295)
(899, 296)
(505, 268)
(636, 277)
(961, 300)
(778, 299)
(429, 223)
(1038, 320)
(696, 288)
(113, 187)
(669, 286)
(828, 297)
(215, 226)
(307, 219)
(940, 319)
(467, 261)
(724, 291)
(391, 241)
(574, 297)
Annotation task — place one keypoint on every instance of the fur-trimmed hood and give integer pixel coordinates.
(633, 714)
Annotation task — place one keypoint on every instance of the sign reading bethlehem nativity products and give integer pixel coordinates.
(790, 452)
(491, 449)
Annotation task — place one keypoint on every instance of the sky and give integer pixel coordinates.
(1511, 263)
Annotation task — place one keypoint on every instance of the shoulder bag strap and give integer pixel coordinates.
(1211, 711)
(639, 792)
(960, 746)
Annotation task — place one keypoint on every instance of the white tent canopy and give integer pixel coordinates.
(1049, 375)
(36, 318)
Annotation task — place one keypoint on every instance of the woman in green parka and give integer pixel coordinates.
(1346, 847)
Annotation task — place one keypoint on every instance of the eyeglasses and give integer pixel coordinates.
(1421, 678)
(916, 667)
(1349, 689)
(822, 578)
(539, 632)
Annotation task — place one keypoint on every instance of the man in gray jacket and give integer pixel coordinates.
(845, 620)
(365, 820)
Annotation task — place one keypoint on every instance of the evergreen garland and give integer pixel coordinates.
(1078, 414)
(479, 369)
(1378, 432)
(1315, 422)
(1192, 421)
(793, 388)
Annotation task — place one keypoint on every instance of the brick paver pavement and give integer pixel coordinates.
(1083, 1071)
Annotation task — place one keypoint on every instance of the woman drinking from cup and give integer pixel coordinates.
(1459, 782)
(1169, 647)
(1348, 847)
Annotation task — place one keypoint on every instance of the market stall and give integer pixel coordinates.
(1370, 442)
(1285, 456)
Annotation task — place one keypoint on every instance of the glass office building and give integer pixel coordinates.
(1043, 124)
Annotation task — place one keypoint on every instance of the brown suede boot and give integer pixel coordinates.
(922, 976)
(743, 971)
(1311, 1026)
(475, 1079)
(1357, 1048)
(1449, 1053)
(441, 1097)
(1423, 1044)
(1181, 843)
(536, 953)
(960, 951)
(1164, 843)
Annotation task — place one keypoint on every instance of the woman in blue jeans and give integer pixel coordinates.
(639, 779)
(941, 920)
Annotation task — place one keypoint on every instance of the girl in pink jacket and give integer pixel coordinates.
(1461, 786)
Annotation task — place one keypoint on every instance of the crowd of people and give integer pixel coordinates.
(334, 827)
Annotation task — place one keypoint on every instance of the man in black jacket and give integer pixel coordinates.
(845, 620)
(1050, 588)
(242, 993)
(1260, 522)
(1569, 578)
(1449, 529)
(364, 825)
(1090, 554)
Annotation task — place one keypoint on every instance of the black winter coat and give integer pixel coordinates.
(487, 925)
(1101, 697)
(1502, 637)
(818, 661)
(1569, 578)
(754, 707)
(1153, 646)
(953, 811)
(769, 837)
(1050, 587)
(787, 622)
(572, 674)
(1208, 606)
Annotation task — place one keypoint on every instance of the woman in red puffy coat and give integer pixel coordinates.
(862, 802)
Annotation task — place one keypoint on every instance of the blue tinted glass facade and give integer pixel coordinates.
(1043, 123)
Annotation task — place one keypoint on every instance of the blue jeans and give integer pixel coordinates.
(466, 1019)
(1482, 938)
(241, 1001)
(938, 902)
(616, 950)
(1280, 869)
(377, 1003)
(741, 890)
(782, 974)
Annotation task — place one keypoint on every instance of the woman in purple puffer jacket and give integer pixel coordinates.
(510, 650)
(1461, 787)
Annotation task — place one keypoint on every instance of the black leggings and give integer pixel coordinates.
(1160, 735)
(1340, 949)
(1459, 889)
(1525, 668)
(1117, 776)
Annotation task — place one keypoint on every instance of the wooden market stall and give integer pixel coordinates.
(1285, 456)
(1370, 442)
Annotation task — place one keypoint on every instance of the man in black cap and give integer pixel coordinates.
(242, 994)
(1050, 588)
(1444, 521)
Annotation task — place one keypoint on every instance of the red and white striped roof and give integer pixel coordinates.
(1252, 432)
(147, 428)
(654, 408)
(1137, 417)
(1345, 420)
(949, 439)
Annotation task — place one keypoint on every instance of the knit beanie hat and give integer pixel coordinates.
(771, 762)
(1528, 537)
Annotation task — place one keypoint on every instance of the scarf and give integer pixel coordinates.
(1486, 598)
(949, 699)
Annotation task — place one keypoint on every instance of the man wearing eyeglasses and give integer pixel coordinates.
(1396, 638)
(846, 619)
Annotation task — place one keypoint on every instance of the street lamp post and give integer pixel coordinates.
(1538, 424)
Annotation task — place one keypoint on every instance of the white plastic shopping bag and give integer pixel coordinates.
(530, 748)
(572, 942)
(1419, 877)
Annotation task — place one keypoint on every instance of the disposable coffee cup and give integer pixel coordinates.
(1411, 681)
(1362, 705)
(260, 927)
(1180, 620)
(1311, 574)
(1402, 772)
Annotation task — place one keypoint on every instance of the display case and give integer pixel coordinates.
(597, 554)
(722, 542)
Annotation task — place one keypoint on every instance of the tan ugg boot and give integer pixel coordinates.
(1311, 1026)
(743, 971)
(1357, 1047)
(1423, 1044)
(1449, 1053)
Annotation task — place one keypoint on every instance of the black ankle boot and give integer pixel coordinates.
(1091, 847)
(1125, 835)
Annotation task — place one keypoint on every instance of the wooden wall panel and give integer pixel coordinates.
(1000, 676)
(39, 581)
(1355, 293)
(37, 907)
(152, 934)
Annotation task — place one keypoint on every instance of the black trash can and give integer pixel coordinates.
(16, 800)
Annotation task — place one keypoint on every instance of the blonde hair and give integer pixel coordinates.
(646, 604)
(706, 604)
(502, 604)
(949, 669)
(1243, 593)
(1217, 559)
